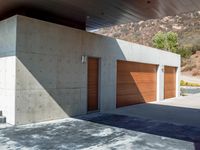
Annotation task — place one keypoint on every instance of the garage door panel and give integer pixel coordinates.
(135, 74)
(137, 99)
(148, 97)
(170, 82)
(170, 94)
(169, 87)
(135, 80)
(135, 90)
(130, 97)
(136, 83)
(170, 70)
(126, 81)
(128, 91)
(138, 68)
(129, 100)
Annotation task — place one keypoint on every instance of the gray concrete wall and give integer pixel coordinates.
(51, 80)
(7, 68)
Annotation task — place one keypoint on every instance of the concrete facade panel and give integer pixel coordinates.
(8, 68)
(41, 105)
(36, 71)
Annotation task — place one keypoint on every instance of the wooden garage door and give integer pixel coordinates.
(136, 83)
(93, 78)
(170, 82)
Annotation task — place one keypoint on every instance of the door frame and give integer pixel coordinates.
(99, 84)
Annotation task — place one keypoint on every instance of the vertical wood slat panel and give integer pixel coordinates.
(93, 77)
(170, 82)
(136, 83)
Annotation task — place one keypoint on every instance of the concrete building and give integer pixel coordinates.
(45, 68)
(50, 71)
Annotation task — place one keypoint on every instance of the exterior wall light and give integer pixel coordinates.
(83, 59)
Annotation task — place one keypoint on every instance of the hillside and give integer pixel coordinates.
(187, 26)
(191, 66)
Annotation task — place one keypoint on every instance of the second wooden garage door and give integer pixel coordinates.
(136, 83)
(170, 82)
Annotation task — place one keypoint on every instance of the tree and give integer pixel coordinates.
(169, 41)
(166, 41)
(159, 40)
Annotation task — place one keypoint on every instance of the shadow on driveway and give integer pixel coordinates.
(171, 130)
(100, 131)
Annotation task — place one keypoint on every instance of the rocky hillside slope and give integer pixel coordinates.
(191, 66)
(186, 25)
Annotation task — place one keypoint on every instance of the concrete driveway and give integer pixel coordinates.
(101, 131)
(182, 110)
(169, 125)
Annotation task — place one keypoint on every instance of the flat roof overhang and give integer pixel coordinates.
(94, 14)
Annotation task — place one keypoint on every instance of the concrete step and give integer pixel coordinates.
(2, 119)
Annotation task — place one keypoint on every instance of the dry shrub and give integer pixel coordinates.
(188, 67)
(184, 62)
(195, 72)
(198, 52)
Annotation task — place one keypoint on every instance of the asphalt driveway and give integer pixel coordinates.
(101, 131)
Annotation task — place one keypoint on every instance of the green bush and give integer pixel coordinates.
(169, 41)
(184, 83)
(172, 41)
(185, 53)
(159, 41)
(192, 47)
(166, 41)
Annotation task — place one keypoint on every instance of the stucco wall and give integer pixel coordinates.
(7, 68)
(51, 80)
